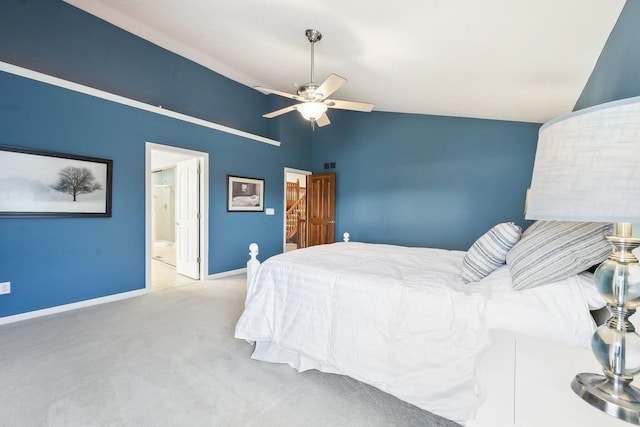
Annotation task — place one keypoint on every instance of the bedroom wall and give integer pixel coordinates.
(616, 75)
(422, 180)
(443, 181)
(58, 261)
(55, 38)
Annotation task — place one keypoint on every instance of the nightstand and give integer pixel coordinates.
(525, 382)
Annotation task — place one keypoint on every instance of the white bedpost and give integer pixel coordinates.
(345, 237)
(253, 263)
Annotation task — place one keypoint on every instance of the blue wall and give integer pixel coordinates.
(407, 179)
(55, 38)
(420, 180)
(617, 72)
(57, 261)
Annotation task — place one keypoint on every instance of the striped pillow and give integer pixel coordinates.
(489, 251)
(554, 250)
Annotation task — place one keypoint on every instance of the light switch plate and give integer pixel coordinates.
(5, 288)
(270, 211)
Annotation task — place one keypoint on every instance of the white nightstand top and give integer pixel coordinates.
(526, 383)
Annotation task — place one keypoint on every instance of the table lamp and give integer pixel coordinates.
(587, 169)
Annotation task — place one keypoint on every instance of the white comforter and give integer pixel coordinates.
(398, 318)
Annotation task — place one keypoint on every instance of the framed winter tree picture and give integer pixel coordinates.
(35, 183)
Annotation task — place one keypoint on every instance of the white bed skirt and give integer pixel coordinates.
(269, 352)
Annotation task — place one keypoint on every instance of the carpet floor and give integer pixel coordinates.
(169, 358)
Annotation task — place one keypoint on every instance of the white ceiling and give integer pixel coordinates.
(517, 60)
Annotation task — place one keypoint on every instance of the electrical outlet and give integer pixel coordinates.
(5, 288)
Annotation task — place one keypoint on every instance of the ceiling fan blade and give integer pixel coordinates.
(267, 91)
(330, 85)
(323, 120)
(279, 112)
(349, 105)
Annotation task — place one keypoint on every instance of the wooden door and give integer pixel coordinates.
(321, 208)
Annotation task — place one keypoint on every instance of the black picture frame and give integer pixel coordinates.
(38, 183)
(245, 194)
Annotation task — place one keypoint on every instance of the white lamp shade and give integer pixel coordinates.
(312, 110)
(587, 166)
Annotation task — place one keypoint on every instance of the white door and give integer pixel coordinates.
(188, 218)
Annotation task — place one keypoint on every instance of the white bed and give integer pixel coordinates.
(402, 318)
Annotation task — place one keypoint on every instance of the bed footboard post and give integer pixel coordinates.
(345, 237)
(253, 263)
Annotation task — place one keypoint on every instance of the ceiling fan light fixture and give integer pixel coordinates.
(312, 110)
(313, 97)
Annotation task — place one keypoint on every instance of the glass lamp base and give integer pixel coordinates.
(618, 400)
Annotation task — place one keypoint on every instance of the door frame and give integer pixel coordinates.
(204, 205)
(284, 202)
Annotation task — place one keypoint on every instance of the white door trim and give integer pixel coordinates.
(204, 204)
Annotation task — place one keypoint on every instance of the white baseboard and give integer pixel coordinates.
(72, 306)
(227, 274)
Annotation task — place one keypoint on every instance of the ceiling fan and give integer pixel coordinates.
(313, 98)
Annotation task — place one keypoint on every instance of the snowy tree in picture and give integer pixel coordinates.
(75, 181)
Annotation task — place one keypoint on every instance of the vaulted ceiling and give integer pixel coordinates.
(509, 60)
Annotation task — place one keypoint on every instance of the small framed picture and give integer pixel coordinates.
(36, 183)
(245, 194)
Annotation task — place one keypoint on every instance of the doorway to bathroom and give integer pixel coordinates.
(177, 218)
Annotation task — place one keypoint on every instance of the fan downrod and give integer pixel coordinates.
(313, 36)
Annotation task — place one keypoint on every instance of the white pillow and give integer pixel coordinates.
(489, 251)
(558, 311)
(594, 299)
(554, 250)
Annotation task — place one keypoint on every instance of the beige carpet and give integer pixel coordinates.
(169, 359)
